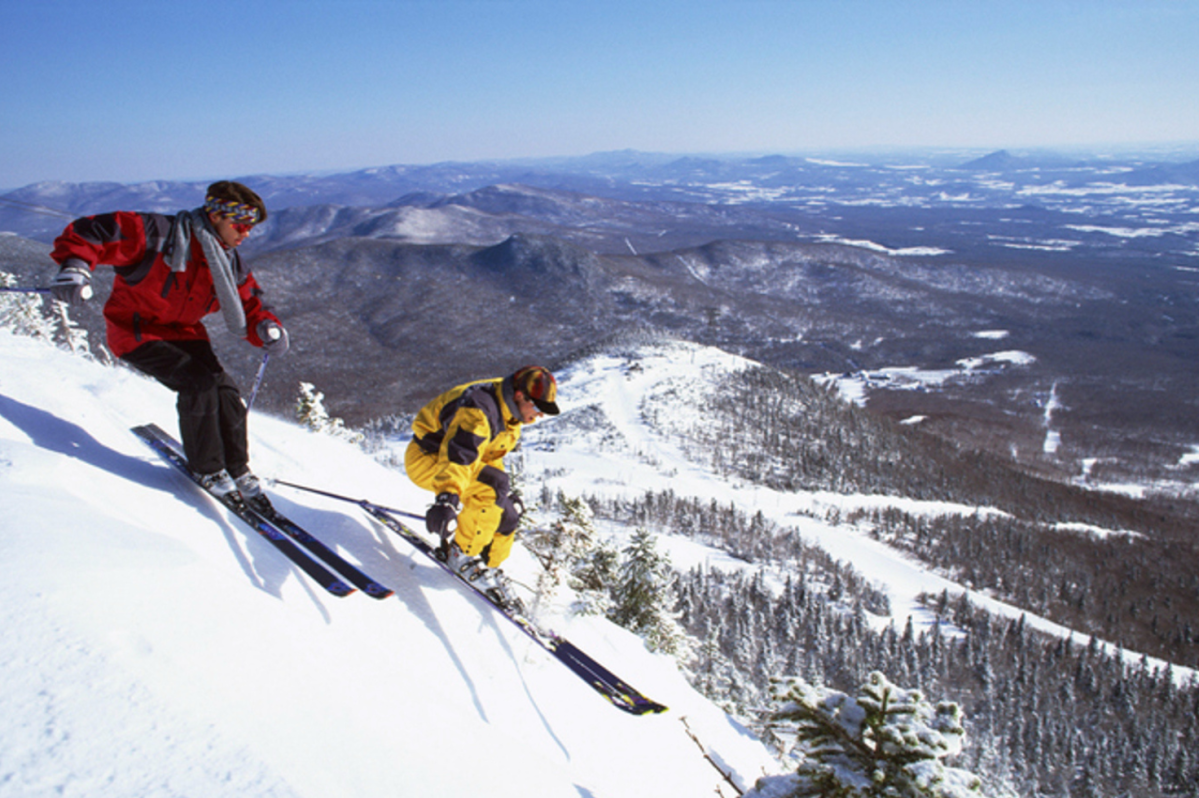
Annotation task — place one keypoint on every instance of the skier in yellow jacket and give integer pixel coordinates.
(458, 444)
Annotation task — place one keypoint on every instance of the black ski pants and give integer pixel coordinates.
(212, 415)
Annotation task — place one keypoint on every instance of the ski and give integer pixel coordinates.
(603, 681)
(331, 558)
(168, 448)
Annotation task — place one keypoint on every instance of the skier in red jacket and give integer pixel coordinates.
(171, 271)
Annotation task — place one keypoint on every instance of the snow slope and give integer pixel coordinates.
(155, 647)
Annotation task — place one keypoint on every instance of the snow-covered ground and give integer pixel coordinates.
(155, 647)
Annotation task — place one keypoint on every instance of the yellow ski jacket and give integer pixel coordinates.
(467, 428)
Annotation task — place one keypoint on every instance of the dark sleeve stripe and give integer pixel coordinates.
(496, 479)
(463, 448)
(98, 230)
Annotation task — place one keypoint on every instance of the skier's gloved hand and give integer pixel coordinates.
(439, 516)
(274, 337)
(72, 284)
(518, 503)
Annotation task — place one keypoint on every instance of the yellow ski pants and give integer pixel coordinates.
(487, 518)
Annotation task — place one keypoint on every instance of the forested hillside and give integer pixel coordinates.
(1040, 551)
(1044, 713)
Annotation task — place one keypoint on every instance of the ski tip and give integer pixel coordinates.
(150, 430)
(377, 591)
(638, 706)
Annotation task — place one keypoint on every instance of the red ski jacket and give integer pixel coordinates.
(149, 302)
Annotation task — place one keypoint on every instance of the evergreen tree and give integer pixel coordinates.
(70, 335)
(644, 595)
(22, 313)
(310, 411)
(885, 742)
(593, 576)
(566, 549)
(38, 317)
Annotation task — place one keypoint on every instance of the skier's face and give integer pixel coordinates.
(230, 232)
(528, 411)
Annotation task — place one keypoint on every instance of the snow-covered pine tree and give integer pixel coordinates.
(310, 408)
(643, 597)
(70, 335)
(884, 742)
(42, 318)
(594, 563)
(22, 313)
(593, 577)
(386, 438)
(310, 411)
(557, 545)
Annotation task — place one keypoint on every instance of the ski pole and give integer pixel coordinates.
(86, 293)
(361, 502)
(258, 380)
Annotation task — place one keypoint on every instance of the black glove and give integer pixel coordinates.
(274, 337)
(439, 516)
(518, 503)
(72, 284)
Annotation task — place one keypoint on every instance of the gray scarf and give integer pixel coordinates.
(224, 281)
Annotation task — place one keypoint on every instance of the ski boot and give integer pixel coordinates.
(221, 485)
(496, 585)
(251, 492)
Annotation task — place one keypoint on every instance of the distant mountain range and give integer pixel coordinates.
(398, 281)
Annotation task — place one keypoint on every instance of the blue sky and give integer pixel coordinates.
(130, 90)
